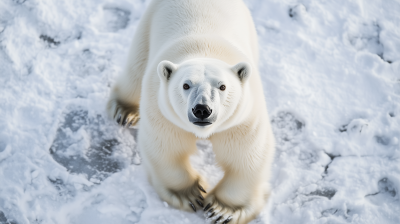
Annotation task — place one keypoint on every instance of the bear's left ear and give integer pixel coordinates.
(165, 70)
(242, 69)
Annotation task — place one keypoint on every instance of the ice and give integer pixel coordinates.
(331, 75)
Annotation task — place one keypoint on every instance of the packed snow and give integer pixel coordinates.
(331, 74)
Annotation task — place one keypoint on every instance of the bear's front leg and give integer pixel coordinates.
(246, 159)
(237, 199)
(165, 151)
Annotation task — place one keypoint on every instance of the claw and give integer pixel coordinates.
(199, 203)
(211, 215)
(192, 205)
(207, 207)
(218, 219)
(201, 197)
(124, 123)
(119, 118)
(202, 189)
(130, 124)
(211, 210)
(227, 220)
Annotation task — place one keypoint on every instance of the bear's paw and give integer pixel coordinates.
(219, 212)
(124, 114)
(188, 199)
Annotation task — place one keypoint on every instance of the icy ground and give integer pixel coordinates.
(331, 72)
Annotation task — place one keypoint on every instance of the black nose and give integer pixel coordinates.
(201, 111)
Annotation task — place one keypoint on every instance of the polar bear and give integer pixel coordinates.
(192, 74)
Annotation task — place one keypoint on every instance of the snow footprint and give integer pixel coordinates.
(367, 36)
(286, 127)
(387, 187)
(82, 147)
(305, 196)
(359, 126)
(386, 190)
(354, 126)
(299, 13)
(338, 213)
(112, 19)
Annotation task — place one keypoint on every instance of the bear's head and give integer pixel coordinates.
(200, 95)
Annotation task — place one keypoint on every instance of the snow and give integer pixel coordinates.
(331, 72)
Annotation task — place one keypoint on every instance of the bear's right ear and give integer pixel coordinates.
(165, 70)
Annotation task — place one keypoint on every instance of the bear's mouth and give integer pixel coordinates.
(200, 123)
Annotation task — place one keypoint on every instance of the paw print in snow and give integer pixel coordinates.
(84, 146)
(286, 127)
(355, 126)
(112, 19)
(387, 187)
(386, 190)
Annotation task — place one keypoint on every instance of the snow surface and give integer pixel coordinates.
(331, 72)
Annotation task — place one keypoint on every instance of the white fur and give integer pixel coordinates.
(203, 43)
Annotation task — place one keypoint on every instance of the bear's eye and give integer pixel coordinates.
(186, 86)
(223, 87)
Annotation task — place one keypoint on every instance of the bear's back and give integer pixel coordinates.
(171, 20)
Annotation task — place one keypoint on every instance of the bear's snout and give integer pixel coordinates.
(201, 111)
